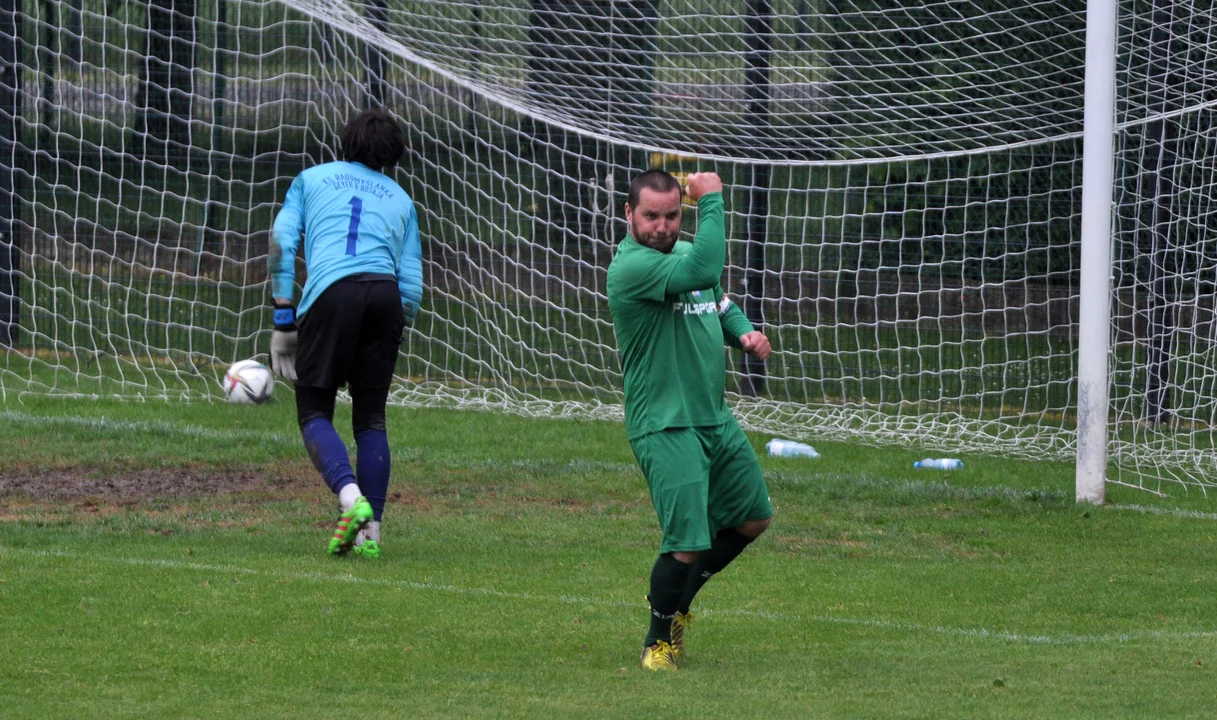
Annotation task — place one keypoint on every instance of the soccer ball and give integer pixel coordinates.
(248, 382)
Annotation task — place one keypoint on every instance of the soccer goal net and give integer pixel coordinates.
(903, 201)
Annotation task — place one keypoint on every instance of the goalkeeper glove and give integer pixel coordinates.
(283, 342)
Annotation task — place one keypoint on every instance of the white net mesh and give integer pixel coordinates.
(1164, 356)
(903, 204)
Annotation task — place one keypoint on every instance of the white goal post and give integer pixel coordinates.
(1094, 316)
(913, 212)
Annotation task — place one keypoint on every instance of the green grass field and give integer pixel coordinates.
(166, 560)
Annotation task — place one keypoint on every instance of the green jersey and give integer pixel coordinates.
(671, 320)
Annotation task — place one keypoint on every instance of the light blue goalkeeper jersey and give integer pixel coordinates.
(354, 220)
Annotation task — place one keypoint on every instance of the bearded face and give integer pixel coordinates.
(656, 221)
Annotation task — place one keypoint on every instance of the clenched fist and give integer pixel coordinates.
(703, 183)
(756, 344)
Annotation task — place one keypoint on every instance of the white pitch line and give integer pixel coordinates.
(972, 633)
(1172, 512)
(142, 426)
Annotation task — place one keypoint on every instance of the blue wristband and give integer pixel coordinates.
(285, 318)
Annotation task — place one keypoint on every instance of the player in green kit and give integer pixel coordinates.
(672, 319)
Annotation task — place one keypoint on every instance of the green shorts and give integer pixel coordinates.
(702, 480)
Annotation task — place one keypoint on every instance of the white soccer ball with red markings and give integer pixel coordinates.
(248, 382)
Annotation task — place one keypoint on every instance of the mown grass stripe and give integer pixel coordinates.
(872, 623)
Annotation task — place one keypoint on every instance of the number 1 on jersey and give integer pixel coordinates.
(353, 231)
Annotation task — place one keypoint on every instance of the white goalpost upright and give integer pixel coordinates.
(976, 227)
(1094, 318)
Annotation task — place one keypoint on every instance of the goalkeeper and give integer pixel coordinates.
(364, 285)
(671, 319)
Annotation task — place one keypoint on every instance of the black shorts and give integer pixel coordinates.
(351, 334)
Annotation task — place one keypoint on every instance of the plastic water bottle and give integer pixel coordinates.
(939, 464)
(790, 448)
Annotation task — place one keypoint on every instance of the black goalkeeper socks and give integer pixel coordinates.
(727, 546)
(668, 580)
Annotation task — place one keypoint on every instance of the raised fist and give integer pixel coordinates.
(703, 183)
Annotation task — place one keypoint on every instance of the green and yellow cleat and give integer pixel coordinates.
(368, 548)
(658, 657)
(349, 525)
(680, 623)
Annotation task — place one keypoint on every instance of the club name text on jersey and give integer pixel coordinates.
(703, 308)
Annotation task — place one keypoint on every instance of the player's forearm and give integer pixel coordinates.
(410, 286)
(281, 266)
(703, 266)
(735, 323)
(285, 237)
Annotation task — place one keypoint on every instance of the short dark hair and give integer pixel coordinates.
(373, 138)
(655, 179)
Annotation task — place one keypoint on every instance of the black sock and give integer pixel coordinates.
(668, 580)
(727, 546)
